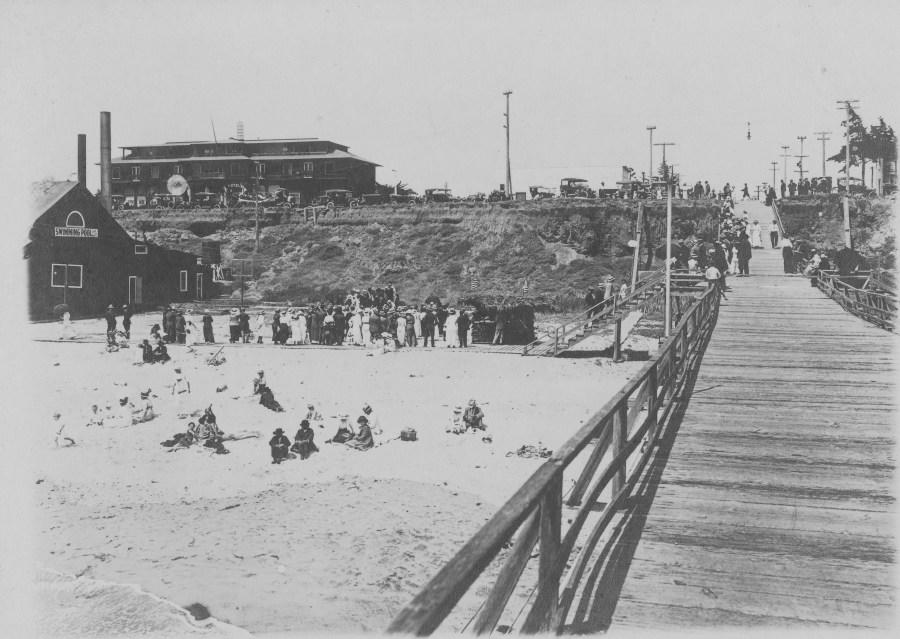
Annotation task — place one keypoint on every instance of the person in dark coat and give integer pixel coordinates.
(160, 352)
(147, 352)
(208, 336)
(428, 322)
(127, 313)
(171, 319)
(441, 315)
(744, 253)
(787, 254)
(110, 324)
(316, 319)
(279, 445)
(180, 328)
(462, 329)
(303, 441)
(374, 326)
(363, 439)
(339, 326)
(276, 321)
(244, 323)
(848, 261)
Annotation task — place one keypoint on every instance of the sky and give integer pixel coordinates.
(418, 86)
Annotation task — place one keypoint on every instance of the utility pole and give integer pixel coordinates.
(668, 326)
(801, 156)
(650, 175)
(847, 105)
(785, 155)
(509, 192)
(665, 168)
(823, 138)
(774, 168)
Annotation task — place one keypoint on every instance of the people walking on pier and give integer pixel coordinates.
(783, 189)
(110, 324)
(744, 254)
(713, 278)
(745, 193)
(773, 234)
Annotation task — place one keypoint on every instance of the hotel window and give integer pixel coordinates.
(236, 168)
(116, 173)
(177, 170)
(307, 168)
(140, 249)
(183, 281)
(154, 171)
(136, 172)
(260, 168)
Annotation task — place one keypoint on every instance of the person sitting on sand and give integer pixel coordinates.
(266, 396)
(363, 440)
(474, 416)
(160, 351)
(95, 417)
(344, 432)
(279, 446)
(59, 426)
(313, 416)
(456, 425)
(303, 441)
(180, 441)
(144, 411)
(374, 423)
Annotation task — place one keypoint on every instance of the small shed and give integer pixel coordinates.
(78, 255)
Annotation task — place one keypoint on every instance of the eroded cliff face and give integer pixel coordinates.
(560, 248)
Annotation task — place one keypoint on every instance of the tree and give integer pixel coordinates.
(858, 137)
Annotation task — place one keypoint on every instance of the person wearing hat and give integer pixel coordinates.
(303, 440)
(463, 323)
(451, 334)
(126, 319)
(456, 425)
(144, 411)
(372, 416)
(313, 416)
(363, 439)
(244, 322)
(260, 326)
(160, 353)
(344, 432)
(280, 445)
(474, 416)
(110, 324)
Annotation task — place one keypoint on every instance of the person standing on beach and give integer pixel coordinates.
(260, 326)
(787, 254)
(208, 328)
(126, 319)
(428, 322)
(773, 233)
(110, 324)
(180, 328)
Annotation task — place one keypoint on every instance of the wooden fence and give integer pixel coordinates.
(880, 308)
(620, 439)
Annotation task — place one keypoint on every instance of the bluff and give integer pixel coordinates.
(559, 247)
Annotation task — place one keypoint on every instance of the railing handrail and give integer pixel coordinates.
(601, 309)
(539, 499)
(872, 306)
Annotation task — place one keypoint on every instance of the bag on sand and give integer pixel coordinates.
(408, 435)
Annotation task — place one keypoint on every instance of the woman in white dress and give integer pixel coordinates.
(401, 329)
(733, 264)
(417, 319)
(301, 328)
(296, 335)
(450, 329)
(193, 330)
(354, 334)
(756, 235)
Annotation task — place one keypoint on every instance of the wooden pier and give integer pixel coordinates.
(776, 506)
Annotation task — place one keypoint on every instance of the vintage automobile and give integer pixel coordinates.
(575, 187)
(403, 198)
(540, 192)
(438, 195)
(206, 200)
(336, 199)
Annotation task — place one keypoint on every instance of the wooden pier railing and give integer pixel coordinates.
(605, 458)
(879, 308)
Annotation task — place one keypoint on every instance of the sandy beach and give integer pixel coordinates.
(337, 543)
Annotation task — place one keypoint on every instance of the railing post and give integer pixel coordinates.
(620, 437)
(541, 616)
(617, 341)
(652, 403)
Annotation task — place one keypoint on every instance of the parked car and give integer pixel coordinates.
(438, 195)
(336, 198)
